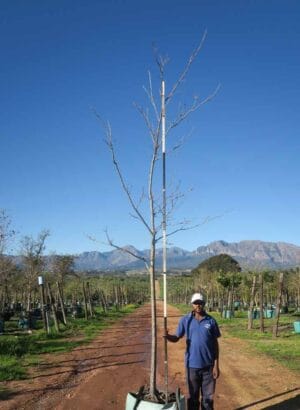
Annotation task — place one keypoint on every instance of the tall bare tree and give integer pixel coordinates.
(33, 261)
(153, 119)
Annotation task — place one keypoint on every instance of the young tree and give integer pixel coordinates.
(7, 267)
(62, 266)
(156, 125)
(32, 255)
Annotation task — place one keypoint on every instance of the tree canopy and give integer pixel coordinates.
(221, 264)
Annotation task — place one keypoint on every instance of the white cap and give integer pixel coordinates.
(197, 296)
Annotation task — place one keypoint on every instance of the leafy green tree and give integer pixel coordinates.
(216, 274)
(222, 264)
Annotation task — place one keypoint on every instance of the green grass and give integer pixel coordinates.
(285, 348)
(285, 351)
(19, 351)
(11, 368)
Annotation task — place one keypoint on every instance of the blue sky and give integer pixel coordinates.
(240, 161)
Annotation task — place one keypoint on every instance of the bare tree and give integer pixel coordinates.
(32, 255)
(261, 302)
(62, 266)
(154, 119)
(278, 304)
(251, 306)
(7, 267)
(6, 231)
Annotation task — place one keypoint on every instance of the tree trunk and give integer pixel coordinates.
(61, 301)
(103, 300)
(261, 302)
(250, 319)
(116, 302)
(43, 307)
(278, 304)
(89, 299)
(53, 307)
(85, 302)
(153, 323)
(28, 299)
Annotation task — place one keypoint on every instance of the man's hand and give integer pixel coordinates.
(170, 338)
(216, 371)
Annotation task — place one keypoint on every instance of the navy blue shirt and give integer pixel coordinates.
(200, 340)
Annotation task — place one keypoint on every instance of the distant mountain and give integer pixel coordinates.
(109, 260)
(250, 254)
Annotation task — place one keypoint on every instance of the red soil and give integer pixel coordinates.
(99, 375)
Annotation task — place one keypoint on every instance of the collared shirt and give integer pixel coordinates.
(200, 340)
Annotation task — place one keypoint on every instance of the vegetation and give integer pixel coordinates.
(225, 287)
(222, 264)
(71, 307)
(19, 350)
(221, 275)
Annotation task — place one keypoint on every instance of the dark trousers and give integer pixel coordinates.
(200, 380)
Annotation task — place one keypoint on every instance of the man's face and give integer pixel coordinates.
(198, 306)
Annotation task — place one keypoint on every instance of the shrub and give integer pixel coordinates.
(15, 345)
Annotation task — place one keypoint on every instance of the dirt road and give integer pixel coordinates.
(99, 375)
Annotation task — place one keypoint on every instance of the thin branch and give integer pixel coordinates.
(187, 228)
(109, 142)
(151, 96)
(124, 186)
(113, 245)
(186, 68)
(125, 250)
(194, 107)
(180, 142)
(147, 120)
(160, 61)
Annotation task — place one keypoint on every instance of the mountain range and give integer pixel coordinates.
(251, 254)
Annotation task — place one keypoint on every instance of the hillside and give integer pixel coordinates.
(249, 253)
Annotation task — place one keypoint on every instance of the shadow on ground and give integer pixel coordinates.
(6, 394)
(291, 404)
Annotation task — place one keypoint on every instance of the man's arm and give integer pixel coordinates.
(216, 370)
(180, 332)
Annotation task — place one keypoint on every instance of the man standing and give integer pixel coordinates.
(202, 353)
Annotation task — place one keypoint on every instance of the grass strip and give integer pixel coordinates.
(19, 352)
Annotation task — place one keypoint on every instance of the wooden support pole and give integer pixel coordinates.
(89, 299)
(278, 304)
(261, 302)
(250, 319)
(61, 302)
(85, 302)
(52, 307)
(43, 306)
